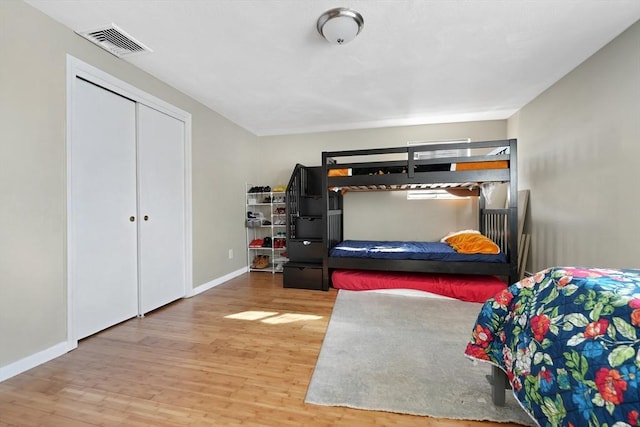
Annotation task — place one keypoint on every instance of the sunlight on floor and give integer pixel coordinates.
(272, 317)
(290, 318)
(251, 315)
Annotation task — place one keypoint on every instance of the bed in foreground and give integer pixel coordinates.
(568, 339)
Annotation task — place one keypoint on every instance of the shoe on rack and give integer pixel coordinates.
(253, 222)
(255, 261)
(256, 243)
(267, 242)
(262, 261)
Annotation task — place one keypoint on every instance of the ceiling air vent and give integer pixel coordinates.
(115, 40)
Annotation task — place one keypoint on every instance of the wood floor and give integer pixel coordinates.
(240, 354)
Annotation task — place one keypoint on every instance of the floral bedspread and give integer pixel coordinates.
(569, 340)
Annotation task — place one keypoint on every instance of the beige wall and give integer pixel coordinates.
(33, 177)
(579, 144)
(379, 215)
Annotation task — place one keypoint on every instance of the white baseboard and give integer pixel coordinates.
(218, 281)
(29, 362)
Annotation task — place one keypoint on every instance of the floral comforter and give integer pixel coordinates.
(569, 340)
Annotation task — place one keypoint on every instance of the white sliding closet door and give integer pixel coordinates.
(161, 184)
(103, 203)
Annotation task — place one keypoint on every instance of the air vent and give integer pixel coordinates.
(115, 41)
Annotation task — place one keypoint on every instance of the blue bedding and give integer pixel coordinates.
(569, 341)
(431, 251)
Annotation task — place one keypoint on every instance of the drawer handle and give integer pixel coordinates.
(306, 242)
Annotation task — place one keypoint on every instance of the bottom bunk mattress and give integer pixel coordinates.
(472, 288)
(426, 251)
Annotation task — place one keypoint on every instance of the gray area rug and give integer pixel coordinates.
(405, 354)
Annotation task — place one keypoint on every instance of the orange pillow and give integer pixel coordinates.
(339, 172)
(472, 243)
(495, 164)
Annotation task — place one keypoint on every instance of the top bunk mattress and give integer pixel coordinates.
(426, 251)
(427, 166)
(495, 164)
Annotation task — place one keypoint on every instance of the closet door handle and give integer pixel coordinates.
(132, 218)
(146, 218)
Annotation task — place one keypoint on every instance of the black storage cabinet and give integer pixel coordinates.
(308, 227)
(302, 275)
(305, 250)
(305, 247)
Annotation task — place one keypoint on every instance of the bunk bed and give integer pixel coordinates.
(422, 167)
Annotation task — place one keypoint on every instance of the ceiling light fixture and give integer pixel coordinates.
(340, 25)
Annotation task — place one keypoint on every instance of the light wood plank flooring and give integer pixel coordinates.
(241, 354)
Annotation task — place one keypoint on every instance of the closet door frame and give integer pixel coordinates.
(77, 68)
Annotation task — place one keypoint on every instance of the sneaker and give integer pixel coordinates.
(253, 222)
(262, 261)
(255, 261)
(256, 243)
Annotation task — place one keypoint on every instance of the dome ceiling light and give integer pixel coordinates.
(340, 25)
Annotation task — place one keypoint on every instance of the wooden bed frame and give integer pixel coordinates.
(501, 225)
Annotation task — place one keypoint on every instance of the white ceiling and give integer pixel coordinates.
(263, 65)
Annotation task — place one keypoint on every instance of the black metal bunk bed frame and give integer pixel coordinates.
(501, 225)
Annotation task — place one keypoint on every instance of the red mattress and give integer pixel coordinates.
(472, 288)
